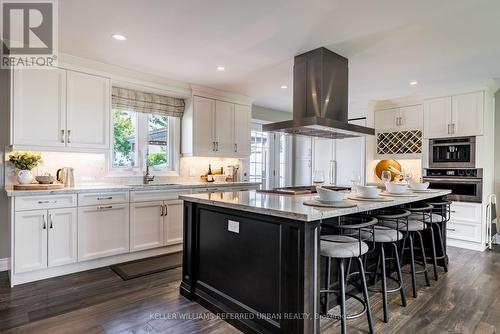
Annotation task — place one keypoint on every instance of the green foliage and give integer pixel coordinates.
(156, 159)
(157, 122)
(123, 130)
(25, 160)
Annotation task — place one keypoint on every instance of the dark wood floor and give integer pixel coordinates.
(466, 300)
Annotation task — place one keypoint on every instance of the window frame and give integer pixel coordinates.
(173, 149)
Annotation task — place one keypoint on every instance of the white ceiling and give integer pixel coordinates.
(388, 43)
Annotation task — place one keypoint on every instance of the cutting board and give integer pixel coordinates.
(38, 186)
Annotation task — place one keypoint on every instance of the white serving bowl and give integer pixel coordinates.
(368, 191)
(396, 188)
(419, 186)
(328, 195)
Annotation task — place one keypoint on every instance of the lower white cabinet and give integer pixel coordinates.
(62, 229)
(155, 224)
(103, 231)
(30, 241)
(44, 238)
(174, 222)
(465, 222)
(146, 225)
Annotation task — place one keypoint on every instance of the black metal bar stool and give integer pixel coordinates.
(439, 216)
(344, 247)
(383, 237)
(398, 219)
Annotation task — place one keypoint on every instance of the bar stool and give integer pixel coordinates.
(398, 219)
(386, 236)
(440, 215)
(344, 247)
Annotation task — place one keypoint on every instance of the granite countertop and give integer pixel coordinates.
(114, 187)
(292, 207)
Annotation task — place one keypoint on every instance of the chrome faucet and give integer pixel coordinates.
(147, 178)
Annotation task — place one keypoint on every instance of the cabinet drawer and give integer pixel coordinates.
(468, 212)
(206, 190)
(464, 231)
(87, 199)
(45, 202)
(156, 195)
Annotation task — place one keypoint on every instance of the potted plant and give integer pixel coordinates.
(25, 162)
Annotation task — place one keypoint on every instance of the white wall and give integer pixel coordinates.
(4, 140)
(269, 115)
(497, 144)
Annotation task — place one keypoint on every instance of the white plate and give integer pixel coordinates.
(426, 191)
(405, 194)
(368, 199)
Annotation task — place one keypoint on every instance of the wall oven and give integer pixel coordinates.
(466, 185)
(452, 152)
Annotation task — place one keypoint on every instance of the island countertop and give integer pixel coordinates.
(292, 207)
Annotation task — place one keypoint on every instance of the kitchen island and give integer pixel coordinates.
(253, 258)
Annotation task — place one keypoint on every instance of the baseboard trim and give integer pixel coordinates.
(4, 264)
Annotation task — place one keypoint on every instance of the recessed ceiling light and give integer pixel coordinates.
(284, 86)
(220, 68)
(119, 37)
(413, 83)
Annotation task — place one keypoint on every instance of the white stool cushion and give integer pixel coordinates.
(413, 225)
(382, 234)
(435, 218)
(340, 246)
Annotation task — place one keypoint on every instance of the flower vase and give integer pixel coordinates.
(24, 176)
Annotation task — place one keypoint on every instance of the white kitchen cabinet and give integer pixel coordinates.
(103, 231)
(437, 117)
(174, 222)
(62, 236)
(465, 222)
(467, 114)
(411, 118)
(216, 128)
(399, 119)
(242, 116)
(454, 116)
(39, 107)
(60, 108)
(88, 110)
(30, 241)
(203, 131)
(146, 225)
(224, 128)
(386, 120)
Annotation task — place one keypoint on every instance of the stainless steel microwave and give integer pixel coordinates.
(457, 152)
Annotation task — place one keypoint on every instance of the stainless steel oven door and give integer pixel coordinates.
(462, 189)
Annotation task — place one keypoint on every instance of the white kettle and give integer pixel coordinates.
(66, 175)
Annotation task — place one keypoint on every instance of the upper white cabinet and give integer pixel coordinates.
(224, 128)
(211, 127)
(60, 108)
(467, 114)
(454, 116)
(399, 119)
(242, 116)
(39, 107)
(87, 115)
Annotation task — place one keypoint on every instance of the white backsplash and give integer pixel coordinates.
(90, 168)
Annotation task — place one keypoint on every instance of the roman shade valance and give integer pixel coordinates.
(133, 100)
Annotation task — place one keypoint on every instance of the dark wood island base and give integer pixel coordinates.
(258, 271)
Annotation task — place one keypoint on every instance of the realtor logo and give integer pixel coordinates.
(29, 34)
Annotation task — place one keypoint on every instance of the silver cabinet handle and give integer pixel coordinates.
(50, 221)
(69, 136)
(161, 211)
(213, 146)
(449, 132)
(217, 146)
(44, 227)
(450, 229)
(104, 207)
(43, 202)
(397, 121)
(166, 210)
(452, 128)
(62, 136)
(236, 147)
(104, 198)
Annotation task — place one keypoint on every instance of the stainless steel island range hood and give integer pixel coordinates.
(320, 86)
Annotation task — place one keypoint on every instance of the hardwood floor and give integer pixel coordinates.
(465, 300)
